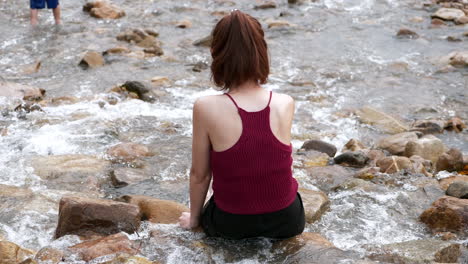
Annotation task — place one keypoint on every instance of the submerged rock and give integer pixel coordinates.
(82, 215)
(320, 146)
(156, 210)
(316, 203)
(49, 255)
(266, 5)
(128, 152)
(103, 9)
(184, 24)
(406, 33)
(139, 90)
(124, 176)
(447, 214)
(356, 159)
(419, 251)
(10, 253)
(429, 126)
(459, 59)
(458, 189)
(143, 38)
(91, 59)
(448, 14)
(205, 41)
(396, 144)
(21, 91)
(117, 243)
(383, 121)
(451, 160)
(428, 147)
(455, 124)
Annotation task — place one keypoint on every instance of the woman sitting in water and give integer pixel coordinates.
(242, 140)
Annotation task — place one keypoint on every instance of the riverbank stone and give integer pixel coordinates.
(447, 214)
(396, 144)
(83, 215)
(381, 120)
(117, 243)
(103, 10)
(449, 14)
(419, 251)
(325, 178)
(428, 147)
(357, 159)
(321, 146)
(458, 189)
(10, 253)
(316, 203)
(451, 160)
(91, 59)
(156, 210)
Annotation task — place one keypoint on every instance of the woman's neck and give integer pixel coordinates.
(246, 87)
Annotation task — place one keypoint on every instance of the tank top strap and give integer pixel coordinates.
(269, 100)
(232, 99)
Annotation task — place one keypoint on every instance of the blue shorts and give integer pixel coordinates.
(41, 4)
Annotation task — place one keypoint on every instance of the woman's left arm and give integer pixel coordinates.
(200, 172)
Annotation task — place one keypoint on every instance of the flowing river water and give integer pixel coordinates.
(337, 56)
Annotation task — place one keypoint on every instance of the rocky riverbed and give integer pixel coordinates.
(95, 128)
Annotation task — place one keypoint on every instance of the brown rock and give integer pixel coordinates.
(266, 5)
(353, 145)
(80, 215)
(451, 160)
(20, 91)
(91, 59)
(455, 124)
(128, 152)
(367, 173)
(124, 176)
(316, 203)
(383, 121)
(396, 144)
(421, 165)
(156, 210)
(436, 22)
(278, 23)
(406, 33)
(447, 214)
(117, 243)
(127, 259)
(448, 14)
(10, 253)
(394, 164)
(294, 244)
(184, 24)
(160, 81)
(459, 59)
(445, 183)
(429, 126)
(49, 255)
(103, 10)
(428, 147)
(117, 50)
(462, 20)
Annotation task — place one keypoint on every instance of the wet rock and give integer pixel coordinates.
(49, 255)
(311, 158)
(325, 178)
(295, 1)
(200, 66)
(448, 14)
(462, 20)
(421, 165)
(204, 42)
(83, 215)
(353, 145)
(91, 59)
(128, 152)
(419, 251)
(430, 126)
(294, 244)
(445, 183)
(28, 108)
(143, 39)
(394, 164)
(428, 147)
(458, 189)
(156, 210)
(277, 23)
(160, 81)
(405, 33)
(367, 173)
(71, 172)
(32, 68)
(447, 214)
(357, 159)
(103, 10)
(396, 144)
(320, 146)
(453, 39)
(383, 121)
(455, 124)
(459, 59)
(20, 91)
(451, 160)
(266, 5)
(10, 253)
(127, 259)
(316, 203)
(124, 176)
(184, 24)
(436, 22)
(117, 243)
(355, 183)
(116, 50)
(138, 89)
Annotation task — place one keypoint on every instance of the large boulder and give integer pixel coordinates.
(83, 216)
(21, 91)
(10, 253)
(448, 13)
(428, 147)
(396, 144)
(447, 214)
(316, 203)
(383, 121)
(103, 10)
(325, 178)
(156, 210)
(451, 160)
(117, 243)
(71, 172)
(418, 251)
(321, 146)
(458, 189)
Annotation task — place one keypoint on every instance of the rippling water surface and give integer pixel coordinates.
(343, 53)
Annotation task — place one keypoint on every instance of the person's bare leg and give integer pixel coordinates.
(34, 15)
(56, 12)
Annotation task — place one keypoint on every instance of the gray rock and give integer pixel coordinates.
(428, 147)
(356, 159)
(396, 144)
(381, 120)
(124, 176)
(448, 14)
(205, 41)
(458, 189)
(320, 146)
(325, 178)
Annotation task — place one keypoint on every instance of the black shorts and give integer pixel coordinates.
(285, 223)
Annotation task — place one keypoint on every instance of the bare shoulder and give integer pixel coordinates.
(206, 104)
(283, 101)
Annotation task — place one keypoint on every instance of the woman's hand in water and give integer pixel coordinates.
(186, 222)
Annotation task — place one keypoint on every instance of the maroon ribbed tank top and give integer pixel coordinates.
(254, 176)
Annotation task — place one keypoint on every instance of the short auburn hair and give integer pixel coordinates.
(239, 51)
